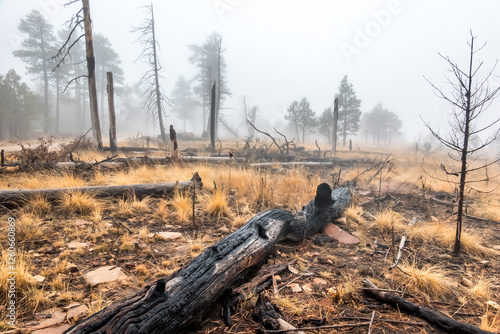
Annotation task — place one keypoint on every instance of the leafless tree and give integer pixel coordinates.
(155, 97)
(470, 97)
(82, 20)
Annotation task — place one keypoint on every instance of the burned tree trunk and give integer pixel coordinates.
(171, 304)
(112, 117)
(441, 321)
(212, 120)
(94, 113)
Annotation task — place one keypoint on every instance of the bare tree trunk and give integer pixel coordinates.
(94, 112)
(58, 93)
(112, 118)
(335, 121)
(463, 169)
(212, 120)
(157, 83)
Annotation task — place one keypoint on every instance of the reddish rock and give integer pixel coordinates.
(340, 235)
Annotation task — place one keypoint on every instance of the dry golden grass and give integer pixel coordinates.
(142, 270)
(129, 206)
(430, 280)
(490, 321)
(28, 296)
(480, 289)
(182, 204)
(126, 244)
(387, 219)
(216, 203)
(162, 210)
(76, 202)
(486, 206)
(443, 234)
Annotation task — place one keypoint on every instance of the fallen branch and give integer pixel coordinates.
(357, 324)
(173, 303)
(442, 322)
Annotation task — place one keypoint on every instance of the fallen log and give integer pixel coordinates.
(171, 304)
(441, 321)
(18, 197)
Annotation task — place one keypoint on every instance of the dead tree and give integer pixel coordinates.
(335, 121)
(212, 119)
(171, 304)
(154, 94)
(112, 118)
(470, 97)
(89, 46)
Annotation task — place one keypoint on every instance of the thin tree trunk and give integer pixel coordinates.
(94, 111)
(58, 93)
(344, 131)
(212, 120)
(157, 84)
(335, 124)
(46, 124)
(112, 118)
(463, 169)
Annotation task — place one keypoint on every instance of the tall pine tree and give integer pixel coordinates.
(349, 112)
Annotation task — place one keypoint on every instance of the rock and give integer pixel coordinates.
(307, 288)
(340, 235)
(322, 239)
(70, 306)
(497, 247)
(39, 278)
(77, 312)
(50, 250)
(466, 282)
(71, 268)
(295, 287)
(53, 330)
(56, 318)
(166, 235)
(434, 219)
(341, 220)
(319, 281)
(75, 244)
(37, 260)
(105, 274)
(81, 222)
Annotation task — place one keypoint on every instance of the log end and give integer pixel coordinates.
(323, 196)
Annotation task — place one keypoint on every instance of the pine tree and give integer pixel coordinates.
(349, 112)
(36, 52)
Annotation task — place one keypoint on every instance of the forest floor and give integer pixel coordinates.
(58, 244)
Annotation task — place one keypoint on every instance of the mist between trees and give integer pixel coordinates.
(58, 103)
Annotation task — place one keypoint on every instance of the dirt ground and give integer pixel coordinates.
(323, 282)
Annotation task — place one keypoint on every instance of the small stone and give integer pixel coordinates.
(53, 330)
(70, 306)
(341, 220)
(50, 250)
(81, 222)
(497, 247)
(319, 281)
(106, 274)
(434, 219)
(295, 287)
(206, 238)
(39, 278)
(75, 244)
(307, 288)
(166, 235)
(36, 260)
(55, 318)
(71, 268)
(77, 312)
(466, 282)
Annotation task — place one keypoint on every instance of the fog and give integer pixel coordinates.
(279, 51)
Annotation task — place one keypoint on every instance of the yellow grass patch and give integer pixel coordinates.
(429, 280)
(182, 204)
(79, 203)
(216, 203)
(387, 219)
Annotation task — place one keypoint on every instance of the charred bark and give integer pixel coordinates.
(443, 322)
(172, 304)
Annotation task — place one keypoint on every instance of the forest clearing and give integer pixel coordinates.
(319, 282)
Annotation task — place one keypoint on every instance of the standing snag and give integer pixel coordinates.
(470, 97)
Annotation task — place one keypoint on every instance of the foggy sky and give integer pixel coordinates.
(278, 51)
